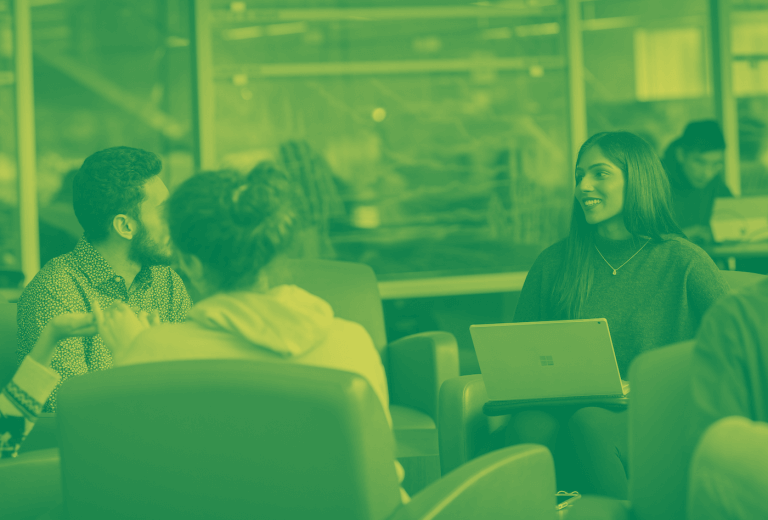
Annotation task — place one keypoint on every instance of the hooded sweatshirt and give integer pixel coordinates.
(286, 324)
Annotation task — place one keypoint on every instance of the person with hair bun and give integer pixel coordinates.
(230, 231)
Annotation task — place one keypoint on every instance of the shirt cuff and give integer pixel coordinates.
(31, 386)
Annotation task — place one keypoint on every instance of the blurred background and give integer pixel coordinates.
(431, 139)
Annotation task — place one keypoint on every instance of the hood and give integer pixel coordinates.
(286, 320)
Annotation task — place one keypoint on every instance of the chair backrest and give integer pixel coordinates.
(739, 279)
(225, 439)
(8, 342)
(659, 449)
(351, 289)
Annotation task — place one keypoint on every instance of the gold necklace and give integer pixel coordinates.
(625, 263)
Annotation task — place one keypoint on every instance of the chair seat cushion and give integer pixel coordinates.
(415, 432)
(404, 418)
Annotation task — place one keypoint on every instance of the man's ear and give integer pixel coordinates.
(125, 226)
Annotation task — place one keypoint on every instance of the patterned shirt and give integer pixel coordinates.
(71, 283)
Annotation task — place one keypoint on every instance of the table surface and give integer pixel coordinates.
(738, 249)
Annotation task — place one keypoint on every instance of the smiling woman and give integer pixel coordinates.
(600, 187)
(625, 260)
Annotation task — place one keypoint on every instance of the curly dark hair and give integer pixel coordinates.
(235, 224)
(110, 183)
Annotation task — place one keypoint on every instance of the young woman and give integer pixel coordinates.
(625, 260)
(229, 231)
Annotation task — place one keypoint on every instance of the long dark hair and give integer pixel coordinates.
(647, 213)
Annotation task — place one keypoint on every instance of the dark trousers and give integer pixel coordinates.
(589, 446)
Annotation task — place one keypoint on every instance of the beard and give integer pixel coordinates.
(146, 251)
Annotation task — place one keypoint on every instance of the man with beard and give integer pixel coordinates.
(123, 255)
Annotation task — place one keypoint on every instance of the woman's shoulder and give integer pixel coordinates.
(164, 342)
(683, 248)
(351, 331)
(552, 255)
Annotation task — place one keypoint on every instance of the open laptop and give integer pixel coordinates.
(548, 360)
(740, 219)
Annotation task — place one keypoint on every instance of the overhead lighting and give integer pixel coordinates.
(379, 114)
(257, 31)
(540, 29)
(499, 33)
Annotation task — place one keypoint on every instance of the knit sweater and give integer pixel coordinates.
(659, 297)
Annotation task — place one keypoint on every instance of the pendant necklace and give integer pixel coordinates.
(625, 263)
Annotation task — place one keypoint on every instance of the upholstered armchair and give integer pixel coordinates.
(237, 439)
(416, 365)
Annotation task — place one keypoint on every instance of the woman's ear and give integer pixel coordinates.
(192, 267)
(193, 275)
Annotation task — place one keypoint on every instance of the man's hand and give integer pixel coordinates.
(61, 327)
(118, 326)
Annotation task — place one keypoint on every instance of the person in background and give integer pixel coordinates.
(123, 255)
(21, 401)
(624, 260)
(317, 198)
(694, 164)
(230, 232)
(729, 379)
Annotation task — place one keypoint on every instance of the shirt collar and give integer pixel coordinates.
(97, 269)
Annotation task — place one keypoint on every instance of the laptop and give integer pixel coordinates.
(739, 219)
(548, 360)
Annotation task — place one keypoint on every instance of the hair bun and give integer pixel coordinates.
(265, 194)
(250, 205)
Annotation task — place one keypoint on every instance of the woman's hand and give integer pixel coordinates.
(118, 326)
(61, 327)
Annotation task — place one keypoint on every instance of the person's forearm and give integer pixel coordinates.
(21, 402)
(44, 348)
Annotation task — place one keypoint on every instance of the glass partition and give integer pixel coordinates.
(108, 74)
(425, 140)
(10, 225)
(749, 55)
(647, 66)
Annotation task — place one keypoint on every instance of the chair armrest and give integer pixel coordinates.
(464, 431)
(30, 484)
(517, 482)
(418, 365)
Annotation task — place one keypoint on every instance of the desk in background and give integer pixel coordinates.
(742, 256)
